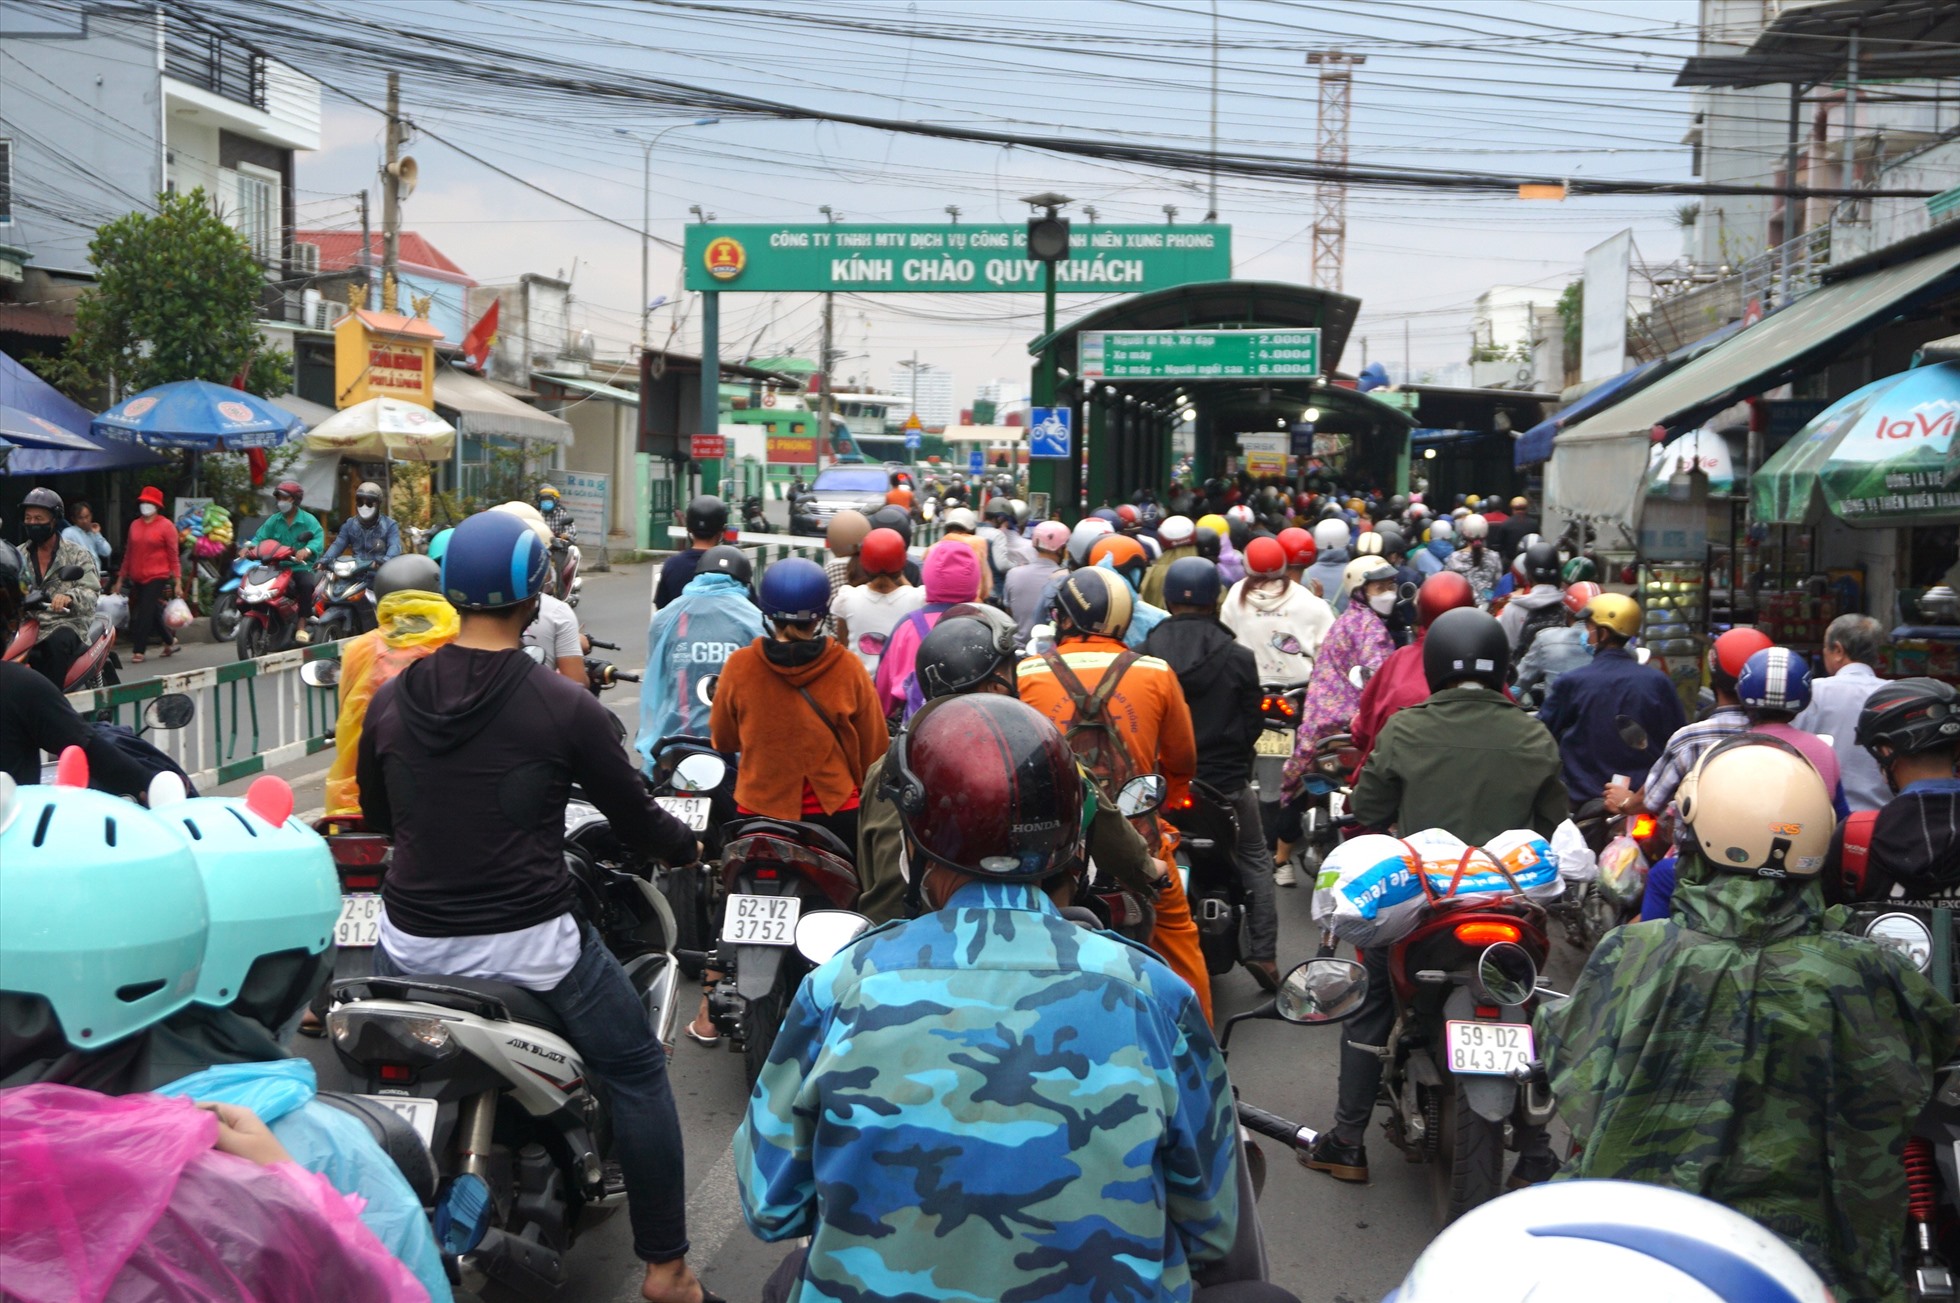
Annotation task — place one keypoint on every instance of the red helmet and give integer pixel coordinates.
(1579, 595)
(290, 489)
(1731, 651)
(1299, 545)
(882, 552)
(988, 786)
(1265, 558)
(1446, 590)
(1128, 514)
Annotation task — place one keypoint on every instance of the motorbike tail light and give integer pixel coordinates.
(360, 882)
(399, 1072)
(1488, 933)
(1184, 802)
(1643, 827)
(767, 875)
(1489, 1011)
(358, 851)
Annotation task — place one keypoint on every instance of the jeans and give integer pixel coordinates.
(52, 656)
(146, 615)
(1256, 872)
(607, 1024)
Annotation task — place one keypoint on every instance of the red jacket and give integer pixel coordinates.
(150, 550)
(1398, 683)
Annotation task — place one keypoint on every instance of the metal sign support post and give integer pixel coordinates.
(710, 471)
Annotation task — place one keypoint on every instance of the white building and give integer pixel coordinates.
(933, 395)
(1506, 331)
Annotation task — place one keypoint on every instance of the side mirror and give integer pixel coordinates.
(1141, 795)
(536, 654)
(1286, 643)
(821, 935)
(69, 574)
(1322, 991)
(704, 691)
(700, 772)
(1360, 675)
(1631, 732)
(171, 710)
(1506, 974)
(320, 674)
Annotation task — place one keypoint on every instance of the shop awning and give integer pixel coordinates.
(1601, 462)
(591, 388)
(482, 411)
(1535, 444)
(49, 431)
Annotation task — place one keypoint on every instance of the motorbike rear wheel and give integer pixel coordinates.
(764, 1018)
(224, 617)
(1469, 1166)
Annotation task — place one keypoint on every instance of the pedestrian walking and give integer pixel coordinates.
(152, 572)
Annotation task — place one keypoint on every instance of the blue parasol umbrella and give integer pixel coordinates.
(200, 416)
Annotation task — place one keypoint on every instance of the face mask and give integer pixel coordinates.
(1382, 603)
(147, 509)
(284, 504)
(547, 504)
(365, 513)
(39, 533)
(1592, 648)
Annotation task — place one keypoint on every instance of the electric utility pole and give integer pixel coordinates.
(391, 196)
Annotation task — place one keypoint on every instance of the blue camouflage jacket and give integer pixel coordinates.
(990, 1102)
(687, 642)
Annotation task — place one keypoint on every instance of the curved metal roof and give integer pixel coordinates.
(1217, 304)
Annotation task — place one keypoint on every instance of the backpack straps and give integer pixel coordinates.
(1856, 865)
(1090, 705)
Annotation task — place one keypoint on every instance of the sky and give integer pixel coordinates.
(1532, 87)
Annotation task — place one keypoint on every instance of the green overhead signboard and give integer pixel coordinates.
(1200, 354)
(949, 259)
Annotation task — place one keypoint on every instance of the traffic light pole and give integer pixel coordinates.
(1042, 470)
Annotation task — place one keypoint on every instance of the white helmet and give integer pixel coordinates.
(1441, 528)
(961, 518)
(1084, 536)
(530, 515)
(1475, 527)
(1607, 1242)
(1175, 530)
(1754, 805)
(1330, 534)
(1241, 513)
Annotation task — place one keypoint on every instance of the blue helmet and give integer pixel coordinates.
(493, 561)
(102, 908)
(1191, 581)
(439, 545)
(269, 880)
(1775, 678)
(795, 591)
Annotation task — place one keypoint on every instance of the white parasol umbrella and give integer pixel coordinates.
(384, 429)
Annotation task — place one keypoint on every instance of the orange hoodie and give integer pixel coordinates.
(783, 744)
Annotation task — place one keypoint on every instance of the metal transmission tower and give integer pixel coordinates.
(1330, 194)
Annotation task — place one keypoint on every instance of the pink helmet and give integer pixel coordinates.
(1050, 536)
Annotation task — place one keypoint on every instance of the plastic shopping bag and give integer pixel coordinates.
(1623, 872)
(1576, 861)
(1367, 891)
(114, 608)
(177, 613)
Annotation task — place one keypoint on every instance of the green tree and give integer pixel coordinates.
(176, 298)
(1572, 315)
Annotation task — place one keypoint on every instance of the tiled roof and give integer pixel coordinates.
(341, 251)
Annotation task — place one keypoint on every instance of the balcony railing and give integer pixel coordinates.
(214, 64)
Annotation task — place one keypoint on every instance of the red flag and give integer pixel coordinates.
(476, 344)
(255, 459)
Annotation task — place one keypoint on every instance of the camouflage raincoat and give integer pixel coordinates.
(1747, 1051)
(990, 1102)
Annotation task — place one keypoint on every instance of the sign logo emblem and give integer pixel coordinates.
(137, 406)
(238, 412)
(725, 258)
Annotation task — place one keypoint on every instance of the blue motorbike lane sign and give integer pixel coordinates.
(976, 462)
(1048, 432)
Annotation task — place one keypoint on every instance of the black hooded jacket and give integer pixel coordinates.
(467, 758)
(1221, 686)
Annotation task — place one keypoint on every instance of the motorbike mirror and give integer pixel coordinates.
(1631, 732)
(822, 934)
(1905, 934)
(536, 654)
(1360, 675)
(1704, 703)
(1642, 655)
(700, 772)
(1287, 643)
(1506, 973)
(320, 674)
(1141, 795)
(1322, 991)
(704, 691)
(68, 574)
(171, 710)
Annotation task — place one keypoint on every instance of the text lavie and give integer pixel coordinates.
(1199, 354)
(949, 259)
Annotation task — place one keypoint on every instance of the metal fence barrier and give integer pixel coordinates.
(251, 716)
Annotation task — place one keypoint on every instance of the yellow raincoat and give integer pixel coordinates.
(412, 624)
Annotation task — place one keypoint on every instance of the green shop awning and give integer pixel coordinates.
(1882, 456)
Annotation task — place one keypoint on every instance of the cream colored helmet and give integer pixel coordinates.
(1755, 805)
(530, 515)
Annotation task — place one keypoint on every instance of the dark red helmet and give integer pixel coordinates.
(1299, 545)
(290, 489)
(987, 785)
(882, 552)
(1446, 590)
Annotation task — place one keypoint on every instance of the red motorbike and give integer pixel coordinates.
(268, 607)
(87, 669)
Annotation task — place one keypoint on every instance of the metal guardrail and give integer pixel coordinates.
(251, 716)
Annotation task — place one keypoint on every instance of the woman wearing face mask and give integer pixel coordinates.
(152, 571)
(299, 530)
(1359, 637)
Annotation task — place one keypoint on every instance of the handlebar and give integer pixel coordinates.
(599, 642)
(625, 677)
(1275, 1127)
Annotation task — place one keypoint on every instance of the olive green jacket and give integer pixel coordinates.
(1466, 760)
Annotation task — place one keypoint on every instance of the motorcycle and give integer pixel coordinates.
(565, 559)
(268, 611)
(484, 1073)
(224, 600)
(343, 602)
(1208, 833)
(773, 872)
(92, 664)
(696, 784)
(1588, 910)
(1117, 906)
(753, 519)
(600, 673)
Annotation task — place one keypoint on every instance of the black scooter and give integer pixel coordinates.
(1208, 834)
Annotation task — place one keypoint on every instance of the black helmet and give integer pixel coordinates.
(1541, 563)
(725, 559)
(410, 570)
(1094, 600)
(969, 647)
(1191, 581)
(1391, 538)
(1907, 717)
(1206, 540)
(986, 785)
(47, 500)
(1465, 644)
(1240, 530)
(892, 516)
(706, 517)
